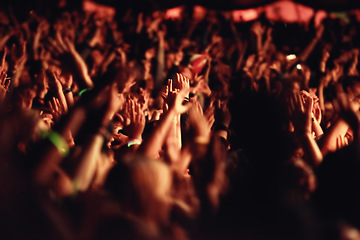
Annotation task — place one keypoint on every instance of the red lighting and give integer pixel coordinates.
(288, 11)
(245, 15)
(101, 10)
(174, 13)
(319, 16)
(199, 13)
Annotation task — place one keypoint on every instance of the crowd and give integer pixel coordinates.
(143, 127)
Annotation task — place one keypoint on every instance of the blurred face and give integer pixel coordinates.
(25, 98)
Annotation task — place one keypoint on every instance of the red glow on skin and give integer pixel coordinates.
(174, 13)
(245, 15)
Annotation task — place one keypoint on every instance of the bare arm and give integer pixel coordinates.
(152, 145)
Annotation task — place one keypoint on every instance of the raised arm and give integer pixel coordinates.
(300, 113)
(152, 145)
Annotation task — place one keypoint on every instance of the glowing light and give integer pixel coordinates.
(199, 13)
(298, 66)
(101, 10)
(245, 15)
(288, 11)
(356, 13)
(174, 13)
(319, 17)
(291, 57)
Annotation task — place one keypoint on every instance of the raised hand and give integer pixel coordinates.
(201, 86)
(55, 109)
(181, 82)
(198, 123)
(315, 108)
(70, 60)
(341, 141)
(19, 64)
(209, 115)
(137, 120)
(174, 96)
(4, 85)
(300, 112)
(57, 89)
(300, 115)
(175, 101)
(258, 29)
(3, 66)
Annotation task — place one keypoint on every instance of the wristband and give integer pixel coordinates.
(134, 142)
(83, 91)
(67, 90)
(58, 141)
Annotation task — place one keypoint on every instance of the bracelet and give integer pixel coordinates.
(134, 142)
(67, 90)
(83, 91)
(58, 141)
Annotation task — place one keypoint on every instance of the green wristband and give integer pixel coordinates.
(58, 141)
(83, 91)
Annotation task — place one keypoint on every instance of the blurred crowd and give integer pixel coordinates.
(144, 127)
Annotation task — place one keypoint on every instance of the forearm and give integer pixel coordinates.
(258, 43)
(160, 68)
(328, 141)
(4, 40)
(309, 48)
(62, 100)
(152, 145)
(69, 97)
(87, 162)
(321, 97)
(174, 134)
(82, 77)
(48, 154)
(316, 128)
(311, 150)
